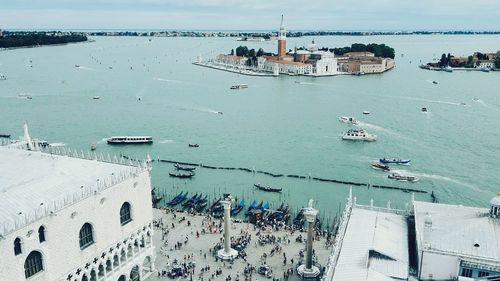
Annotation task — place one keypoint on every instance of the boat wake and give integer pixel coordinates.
(378, 128)
(442, 178)
(310, 83)
(168, 80)
(165, 141)
(87, 68)
(103, 140)
(201, 109)
(436, 101)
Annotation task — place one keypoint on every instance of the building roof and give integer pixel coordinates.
(275, 60)
(456, 229)
(375, 247)
(32, 180)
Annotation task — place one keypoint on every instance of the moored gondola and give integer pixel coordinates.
(182, 175)
(184, 168)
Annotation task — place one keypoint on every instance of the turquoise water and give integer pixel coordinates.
(276, 125)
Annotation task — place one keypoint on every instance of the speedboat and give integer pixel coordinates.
(239, 86)
(378, 166)
(360, 134)
(96, 97)
(424, 109)
(395, 161)
(366, 112)
(350, 120)
(2, 77)
(400, 177)
(93, 147)
(435, 82)
(130, 140)
(448, 69)
(194, 145)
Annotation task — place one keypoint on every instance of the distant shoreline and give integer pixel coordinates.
(47, 45)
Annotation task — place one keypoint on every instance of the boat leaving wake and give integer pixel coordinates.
(436, 101)
(378, 128)
(168, 80)
(310, 83)
(441, 178)
(87, 68)
(166, 141)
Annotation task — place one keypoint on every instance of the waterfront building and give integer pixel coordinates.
(485, 64)
(70, 216)
(367, 65)
(427, 241)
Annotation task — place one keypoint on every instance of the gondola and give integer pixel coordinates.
(4, 136)
(267, 188)
(184, 168)
(182, 175)
(252, 206)
(395, 161)
(237, 209)
(178, 199)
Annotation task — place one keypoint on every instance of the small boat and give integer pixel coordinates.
(475, 99)
(434, 82)
(485, 69)
(130, 140)
(395, 161)
(96, 97)
(350, 120)
(378, 166)
(400, 177)
(463, 104)
(76, 65)
(194, 145)
(237, 209)
(267, 188)
(2, 77)
(178, 199)
(366, 112)
(358, 73)
(239, 86)
(448, 69)
(424, 109)
(93, 147)
(220, 112)
(360, 135)
(183, 168)
(182, 175)
(4, 136)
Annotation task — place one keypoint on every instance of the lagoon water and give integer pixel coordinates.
(282, 125)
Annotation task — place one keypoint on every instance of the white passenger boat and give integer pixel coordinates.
(350, 120)
(130, 140)
(400, 177)
(360, 135)
(239, 86)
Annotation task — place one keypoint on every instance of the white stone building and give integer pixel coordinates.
(66, 216)
(485, 64)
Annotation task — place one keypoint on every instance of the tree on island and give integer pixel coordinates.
(380, 50)
(260, 52)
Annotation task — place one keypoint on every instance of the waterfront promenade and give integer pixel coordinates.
(190, 239)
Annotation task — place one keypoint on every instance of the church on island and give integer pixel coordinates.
(309, 61)
(70, 216)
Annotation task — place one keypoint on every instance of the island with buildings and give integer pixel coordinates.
(358, 59)
(18, 39)
(478, 61)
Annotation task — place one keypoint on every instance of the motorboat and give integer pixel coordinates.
(4, 136)
(76, 65)
(182, 175)
(400, 177)
(397, 161)
(194, 145)
(350, 120)
(96, 97)
(93, 147)
(378, 166)
(360, 135)
(435, 82)
(424, 109)
(130, 140)
(366, 112)
(184, 168)
(239, 86)
(267, 188)
(448, 69)
(2, 77)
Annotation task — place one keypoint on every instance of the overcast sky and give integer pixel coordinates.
(251, 14)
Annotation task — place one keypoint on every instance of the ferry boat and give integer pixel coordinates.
(400, 177)
(346, 119)
(130, 140)
(360, 134)
(378, 166)
(239, 86)
(395, 161)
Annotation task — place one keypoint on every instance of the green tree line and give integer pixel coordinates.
(380, 50)
(36, 39)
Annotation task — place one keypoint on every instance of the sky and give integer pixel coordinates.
(251, 14)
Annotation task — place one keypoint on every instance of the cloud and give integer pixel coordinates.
(251, 15)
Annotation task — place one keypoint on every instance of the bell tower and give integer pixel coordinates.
(281, 41)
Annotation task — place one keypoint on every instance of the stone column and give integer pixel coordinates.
(308, 270)
(227, 253)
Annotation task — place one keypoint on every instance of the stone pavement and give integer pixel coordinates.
(198, 235)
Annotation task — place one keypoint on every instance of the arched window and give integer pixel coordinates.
(125, 213)
(41, 234)
(33, 264)
(17, 246)
(86, 236)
